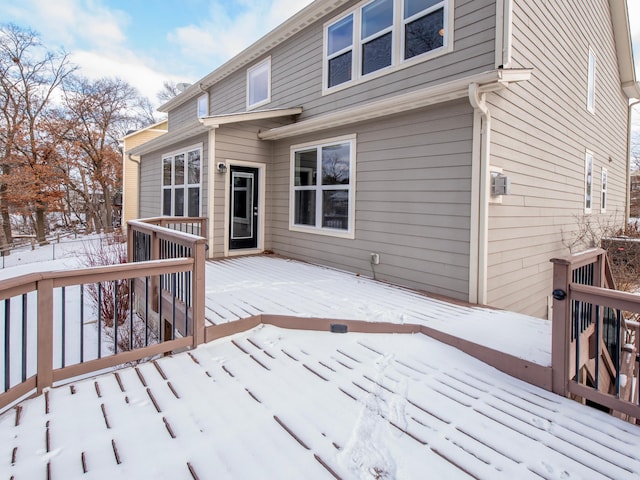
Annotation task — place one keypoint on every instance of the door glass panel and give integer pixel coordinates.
(242, 206)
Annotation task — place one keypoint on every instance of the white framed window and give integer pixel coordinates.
(323, 187)
(588, 181)
(181, 182)
(591, 82)
(259, 84)
(203, 105)
(603, 196)
(379, 36)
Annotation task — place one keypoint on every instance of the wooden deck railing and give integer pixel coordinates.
(64, 324)
(594, 344)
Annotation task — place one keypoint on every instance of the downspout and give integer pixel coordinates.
(138, 187)
(627, 208)
(507, 18)
(480, 197)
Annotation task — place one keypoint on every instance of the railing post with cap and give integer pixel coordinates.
(561, 326)
(45, 335)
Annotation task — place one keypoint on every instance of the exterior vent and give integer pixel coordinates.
(338, 328)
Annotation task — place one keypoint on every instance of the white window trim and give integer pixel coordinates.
(591, 81)
(172, 187)
(203, 105)
(319, 230)
(257, 66)
(588, 182)
(397, 62)
(604, 180)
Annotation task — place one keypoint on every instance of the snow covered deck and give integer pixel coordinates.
(274, 403)
(244, 287)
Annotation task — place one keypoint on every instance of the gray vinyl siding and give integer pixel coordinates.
(540, 132)
(413, 185)
(151, 178)
(297, 73)
(184, 114)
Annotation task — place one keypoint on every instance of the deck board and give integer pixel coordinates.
(242, 287)
(401, 403)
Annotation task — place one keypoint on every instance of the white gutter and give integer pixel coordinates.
(507, 33)
(216, 120)
(478, 260)
(627, 207)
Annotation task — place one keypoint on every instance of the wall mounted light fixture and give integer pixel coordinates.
(222, 167)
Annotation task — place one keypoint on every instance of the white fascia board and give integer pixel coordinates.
(632, 90)
(150, 128)
(169, 138)
(624, 50)
(217, 120)
(453, 90)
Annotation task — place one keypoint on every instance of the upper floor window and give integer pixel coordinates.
(323, 183)
(591, 82)
(203, 105)
(603, 200)
(383, 34)
(181, 183)
(588, 181)
(259, 84)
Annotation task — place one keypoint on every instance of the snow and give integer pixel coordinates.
(273, 403)
(242, 287)
(67, 253)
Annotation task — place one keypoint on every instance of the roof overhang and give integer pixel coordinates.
(624, 49)
(444, 92)
(216, 120)
(299, 21)
(161, 126)
(170, 138)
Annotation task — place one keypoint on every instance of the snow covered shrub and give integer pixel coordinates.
(111, 299)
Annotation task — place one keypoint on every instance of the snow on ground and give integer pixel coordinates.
(68, 254)
(276, 404)
(241, 287)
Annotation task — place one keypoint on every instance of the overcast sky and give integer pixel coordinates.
(147, 42)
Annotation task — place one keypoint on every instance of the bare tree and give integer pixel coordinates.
(30, 75)
(99, 112)
(169, 90)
